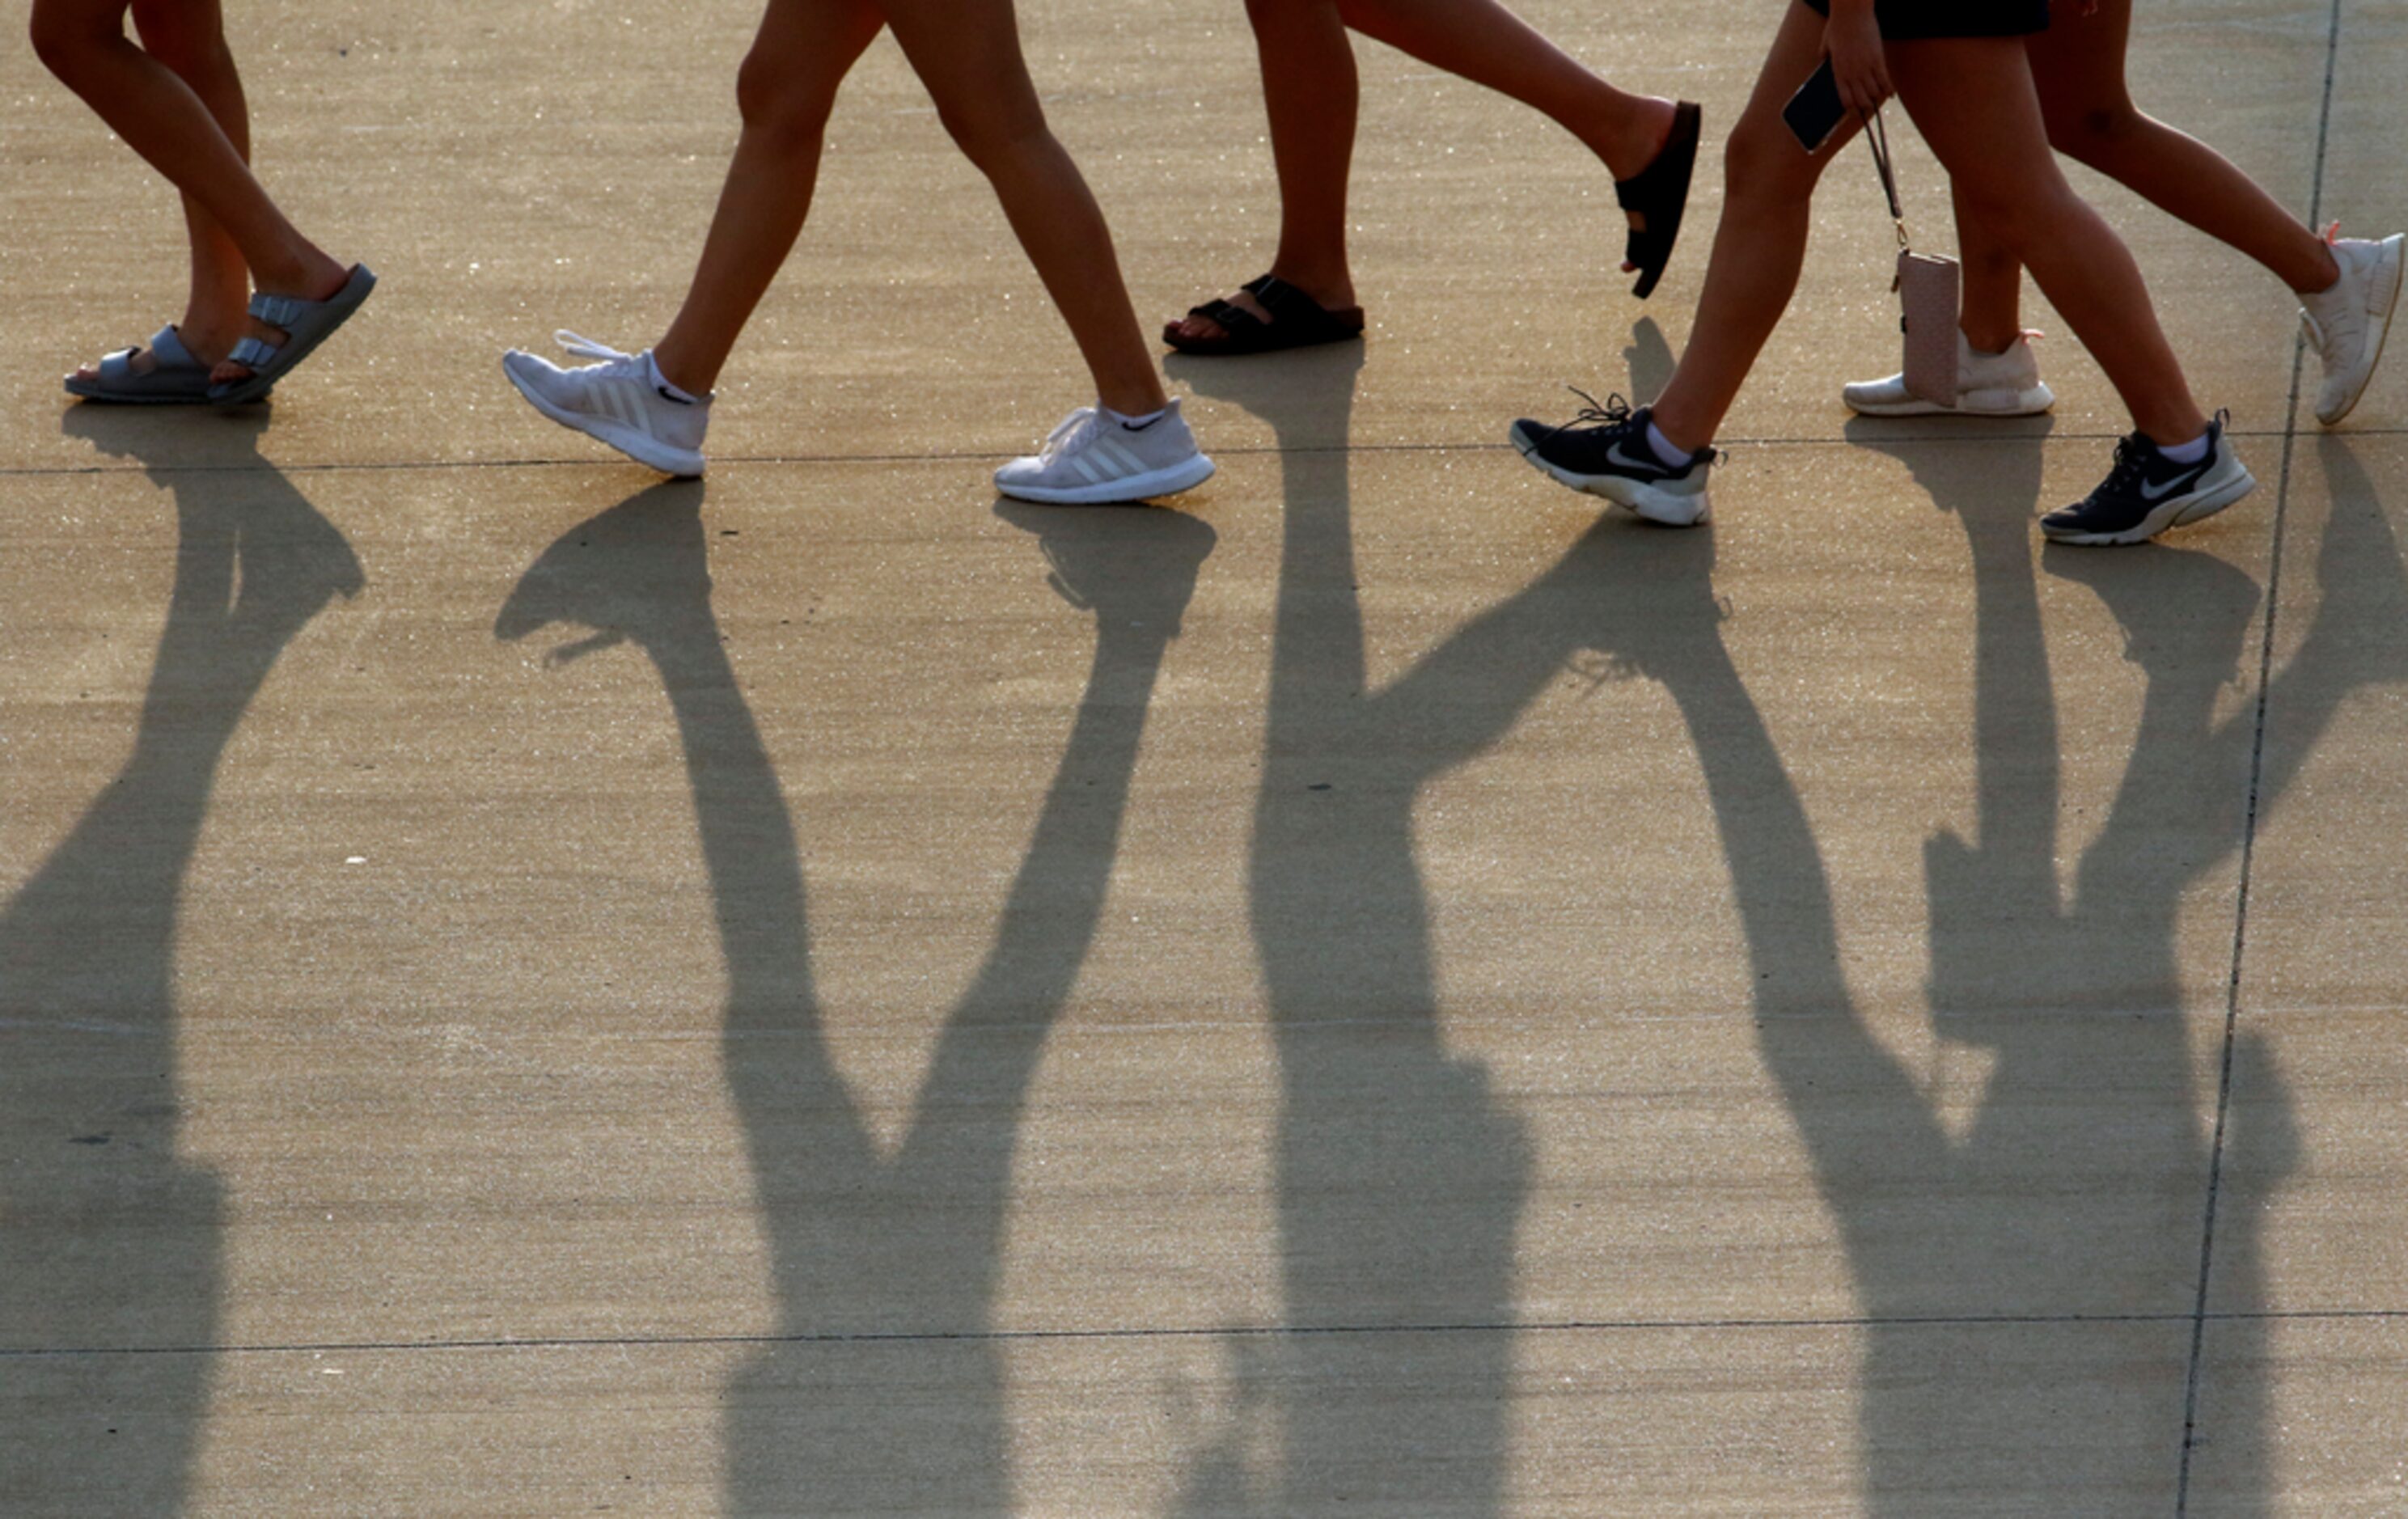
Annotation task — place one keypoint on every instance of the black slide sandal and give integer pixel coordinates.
(1298, 320)
(1660, 193)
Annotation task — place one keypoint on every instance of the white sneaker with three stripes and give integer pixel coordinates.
(1096, 457)
(618, 401)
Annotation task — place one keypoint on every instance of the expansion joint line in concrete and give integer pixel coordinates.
(1162, 1332)
(2199, 1315)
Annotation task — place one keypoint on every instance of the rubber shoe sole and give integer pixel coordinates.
(1994, 403)
(1169, 481)
(1670, 508)
(2181, 512)
(685, 464)
(2382, 323)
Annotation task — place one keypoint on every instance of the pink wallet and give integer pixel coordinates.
(1926, 288)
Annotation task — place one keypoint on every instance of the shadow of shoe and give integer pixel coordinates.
(288, 561)
(639, 571)
(2181, 609)
(171, 437)
(1128, 568)
(1993, 476)
(1306, 394)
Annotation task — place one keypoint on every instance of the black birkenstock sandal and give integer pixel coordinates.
(1659, 192)
(1298, 320)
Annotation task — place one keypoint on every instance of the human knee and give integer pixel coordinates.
(2089, 133)
(63, 37)
(994, 134)
(1762, 162)
(773, 96)
(193, 52)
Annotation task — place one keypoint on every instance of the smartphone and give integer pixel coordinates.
(1815, 112)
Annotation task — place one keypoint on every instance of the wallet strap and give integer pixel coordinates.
(1877, 138)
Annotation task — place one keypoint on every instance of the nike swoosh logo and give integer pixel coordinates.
(1615, 456)
(2158, 493)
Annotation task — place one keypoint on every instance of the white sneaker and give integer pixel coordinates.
(1094, 457)
(2348, 322)
(2004, 385)
(616, 401)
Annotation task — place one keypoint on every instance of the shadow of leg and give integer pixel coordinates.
(885, 1391)
(111, 1242)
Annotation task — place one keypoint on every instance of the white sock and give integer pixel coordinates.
(1663, 447)
(1135, 423)
(2187, 453)
(653, 367)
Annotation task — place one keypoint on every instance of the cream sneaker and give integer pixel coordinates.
(2348, 322)
(1988, 385)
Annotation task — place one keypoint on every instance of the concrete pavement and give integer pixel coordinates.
(525, 989)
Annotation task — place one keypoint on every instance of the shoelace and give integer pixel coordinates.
(1069, 433)
(1614, 412)
(586, 348)
(2130, 467)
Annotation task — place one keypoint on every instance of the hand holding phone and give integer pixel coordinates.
(1815, 112)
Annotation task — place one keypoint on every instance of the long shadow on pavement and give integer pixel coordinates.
(885, 1391)
(1402, 1177)
(112, 1243)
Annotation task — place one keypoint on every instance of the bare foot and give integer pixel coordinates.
(206, 345)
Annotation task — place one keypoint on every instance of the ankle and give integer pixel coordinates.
(2173, 432)
(1130, 402)
(682, 374)
(311, 274)
(2323, 274)
(1634, 136)
(1681, 431)
(1329, 285)
(1990, 340)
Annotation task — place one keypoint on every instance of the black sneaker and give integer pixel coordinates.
(2147, 493)
(1604, 450)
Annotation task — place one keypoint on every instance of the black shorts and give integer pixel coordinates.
(1918, 21)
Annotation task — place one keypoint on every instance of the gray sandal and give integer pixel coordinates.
(178, 379)
(306, 325)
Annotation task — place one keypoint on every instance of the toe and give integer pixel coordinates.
(141, 360)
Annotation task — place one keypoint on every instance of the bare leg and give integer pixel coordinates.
(784, 92)
(1487, 44)
(1759, 246)
(967, 53)
(188, 37)
(1309, 89)
(2078, 65)
(1975, 102)
(1992, 309)
(1311, 92)
(160, 116)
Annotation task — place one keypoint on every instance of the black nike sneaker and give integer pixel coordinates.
(1604, 450)
(2147, 493)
